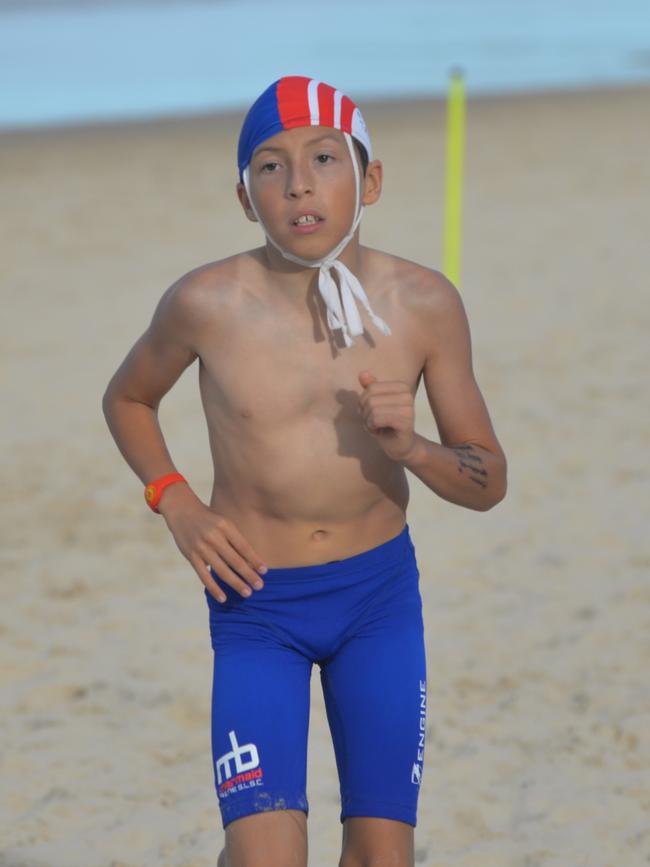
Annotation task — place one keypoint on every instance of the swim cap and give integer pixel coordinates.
(294, 101)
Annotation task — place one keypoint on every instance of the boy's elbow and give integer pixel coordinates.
(110, 399)
(498, 490)
(497, 499)
(115, 397)
(107, 406)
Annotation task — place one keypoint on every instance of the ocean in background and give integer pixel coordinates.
(80, 62)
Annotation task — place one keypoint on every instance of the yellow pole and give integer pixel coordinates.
(454, 175)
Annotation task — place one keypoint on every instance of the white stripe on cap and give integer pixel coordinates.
(338, 96)
(312, 96)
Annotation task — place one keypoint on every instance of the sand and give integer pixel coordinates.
(537, 613)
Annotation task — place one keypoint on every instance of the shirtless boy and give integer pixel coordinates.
(304, 550)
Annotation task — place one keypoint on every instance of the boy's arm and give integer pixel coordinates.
(130, 405)
(148, 372)
(468, 467)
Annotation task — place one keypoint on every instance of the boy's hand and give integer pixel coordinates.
(207, 539)
(388, 414)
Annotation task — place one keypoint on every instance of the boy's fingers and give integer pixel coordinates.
(242, 568)
(402, 398)
(385, 387)
(203, 571)
(243, 548)
(397, 398)
(226, 574)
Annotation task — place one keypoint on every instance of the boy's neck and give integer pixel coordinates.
(295, 279)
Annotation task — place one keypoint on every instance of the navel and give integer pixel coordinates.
(319, 534)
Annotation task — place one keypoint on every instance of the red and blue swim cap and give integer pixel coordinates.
(296, 100)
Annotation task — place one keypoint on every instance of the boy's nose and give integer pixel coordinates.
(298, 183)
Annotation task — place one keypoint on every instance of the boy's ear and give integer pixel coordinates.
(245, 203)
(372, 182)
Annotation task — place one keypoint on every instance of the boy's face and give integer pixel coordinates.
(307, 169)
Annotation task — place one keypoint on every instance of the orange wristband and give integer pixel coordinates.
(154, 490)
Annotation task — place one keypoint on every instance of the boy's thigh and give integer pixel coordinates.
(387, 841)
(272, 839)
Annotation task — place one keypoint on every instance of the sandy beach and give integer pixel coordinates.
(537, 613)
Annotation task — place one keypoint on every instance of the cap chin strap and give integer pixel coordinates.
(350, 324)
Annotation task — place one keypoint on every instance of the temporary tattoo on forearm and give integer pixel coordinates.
(470, 461)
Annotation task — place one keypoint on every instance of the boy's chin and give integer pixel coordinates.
(315, 245)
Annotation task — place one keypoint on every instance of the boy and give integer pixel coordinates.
(310, 439)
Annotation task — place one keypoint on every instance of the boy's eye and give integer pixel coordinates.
(269, 166)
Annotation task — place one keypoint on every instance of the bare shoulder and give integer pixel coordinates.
(430, 302)
(420, 287)
(197, 287)
(191, 304)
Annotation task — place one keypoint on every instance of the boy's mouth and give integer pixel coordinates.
(306, 223)
(306, 216)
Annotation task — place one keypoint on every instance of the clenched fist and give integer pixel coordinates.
(388, 414)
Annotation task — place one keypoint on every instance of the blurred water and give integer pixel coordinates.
(63, 62)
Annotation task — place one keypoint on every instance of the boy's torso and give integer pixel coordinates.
(294, 467)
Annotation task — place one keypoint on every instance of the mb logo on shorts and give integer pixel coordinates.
(238, 764)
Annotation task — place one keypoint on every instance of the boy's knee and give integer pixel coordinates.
(370, 841)
(274, 838)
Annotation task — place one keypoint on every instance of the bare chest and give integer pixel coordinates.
(266, 369)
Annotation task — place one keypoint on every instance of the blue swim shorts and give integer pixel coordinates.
(360, 619)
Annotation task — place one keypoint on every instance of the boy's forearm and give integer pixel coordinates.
(138, 436)
(467, 474)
